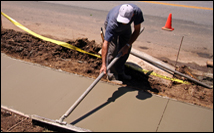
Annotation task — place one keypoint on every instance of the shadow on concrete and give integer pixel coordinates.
(142, 95)
(140, 79)
(139, 82)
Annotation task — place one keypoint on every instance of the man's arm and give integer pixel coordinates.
(133, 37)
(104, 55)
(135, 34)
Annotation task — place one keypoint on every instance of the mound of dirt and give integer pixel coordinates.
(26, 47)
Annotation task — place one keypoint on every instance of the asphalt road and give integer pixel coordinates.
(72, 19)
(183, 10)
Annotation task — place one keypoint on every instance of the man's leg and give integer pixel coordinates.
(120, 64)
(111, 54)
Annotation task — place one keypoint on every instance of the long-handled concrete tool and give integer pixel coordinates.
(88, 90)
(63, 124)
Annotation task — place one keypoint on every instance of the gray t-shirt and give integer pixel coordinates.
(115, 28)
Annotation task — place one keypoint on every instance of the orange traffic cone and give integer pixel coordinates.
(168, 23)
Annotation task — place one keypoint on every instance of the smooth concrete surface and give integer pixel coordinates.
(186, 118)
(34, 89)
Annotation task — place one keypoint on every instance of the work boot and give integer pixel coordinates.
(113, 78)
(124, 76)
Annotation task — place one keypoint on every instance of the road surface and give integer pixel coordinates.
(64, 20)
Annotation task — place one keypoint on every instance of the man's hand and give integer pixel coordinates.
(103, 69)
(125, 49)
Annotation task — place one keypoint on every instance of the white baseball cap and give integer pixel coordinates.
(125, 13)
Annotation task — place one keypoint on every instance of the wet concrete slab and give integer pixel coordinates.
(34, 89)
(182, 117)
(123, 110)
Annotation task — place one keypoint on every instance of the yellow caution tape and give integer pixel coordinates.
(157, 75)
(64, 44)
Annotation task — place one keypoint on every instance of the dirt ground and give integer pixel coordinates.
(23, 46)
(12, 122)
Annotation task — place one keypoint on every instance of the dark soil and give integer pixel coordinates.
(12, 122)
(26, 47)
